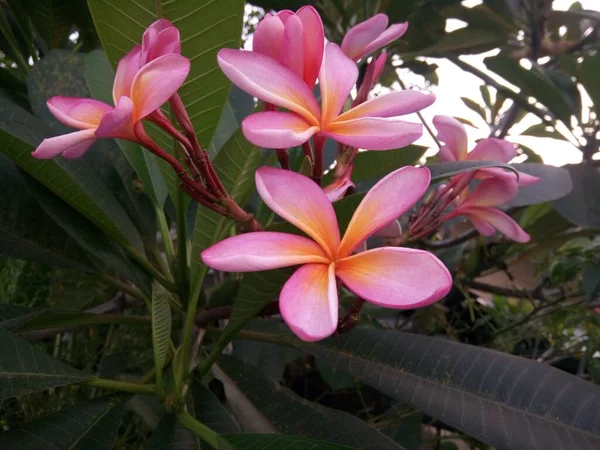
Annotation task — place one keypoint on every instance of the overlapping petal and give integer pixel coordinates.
(497, 219)
(269, 81)
(370, 35)
(292, 54)
(161, 38)
(309, 302)
(338, 188)
(71, 145)
(79, 113)
(389, 105)
(395, 31)
(374, 133)
(273, 129)
(268, 36)
(262, 250)
(337, 77)
(301, 202)
(126, 70)
(496, 172)
(454, 136)
(156, 82)
(314, 43)
(492, 192)
(118, 123)
(395, 277)
(386, 201)
(493, 149)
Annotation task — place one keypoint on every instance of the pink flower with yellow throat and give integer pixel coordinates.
(392, 277)
(145, 79)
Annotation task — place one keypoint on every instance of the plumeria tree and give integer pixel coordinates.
(230, 233)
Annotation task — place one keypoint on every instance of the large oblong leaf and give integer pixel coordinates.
(87, 426)
(161, 326)
(506, 401)
(293, 415)
(25, 369)
(274, 442)
(581, 205)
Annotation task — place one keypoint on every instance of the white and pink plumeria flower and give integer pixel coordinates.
(371, 35)
(392, 277)
(145, 79)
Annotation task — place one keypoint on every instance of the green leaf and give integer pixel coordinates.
(26, 232)
(273, 442)
(169, 433)
(533, 83)
(449, 169)
(206, 26)
(554, 183)
(25, 369)
(161, 328)
(73, 181)
(14, 316)
(591, 281)
(86, 426)
(99, 76)
(475, 107)
(209, 410)
(235, 164)
(51, 19)
(581, 205)
(587, 73)
(294, 415)
(542, 130)
(468, 40)
(502, 400)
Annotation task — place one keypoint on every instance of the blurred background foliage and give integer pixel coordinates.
(540, 301)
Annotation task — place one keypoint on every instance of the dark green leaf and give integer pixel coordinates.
(273, 442)
(209, 410)
(591, 281)
(555, 183)
(170, 434)
(581, 206)
(542, 130)
(503, 400)
(87, 426)
(589, 75)
(475, 107)
(51, 18)
(161, 326)
(25, 369)
(14, 316)
(449, 169)
(468, 40)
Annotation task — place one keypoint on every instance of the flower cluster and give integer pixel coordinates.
(290, 56)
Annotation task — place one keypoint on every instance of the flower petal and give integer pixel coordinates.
(360, 36)
(373, 73)
(493, 149)
(314, 43)
(161, 38)
(496, 172)
(338, 188)
(454, 136)
(492, 192)
(74, 144)
(156, 82)
(79, 113)
(128, 67)
(499, 220)
(292, 51)
(268, 36)
(118, 123)
(395, 277)
(394, 32)
(390, 105)
(309, 302)
(337, 77)
(262, 250)
(270, 81)
(386, 201)
(274, 129)
(301, 202)
(374, 133)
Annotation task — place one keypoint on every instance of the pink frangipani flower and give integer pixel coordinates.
(392, 277)
(479, 205)
(372, 125)
(138, 90)
(296, 40)
(370, 35)
(456, 144)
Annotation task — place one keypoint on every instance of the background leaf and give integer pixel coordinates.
(581, 205)
(161, 326)
(274, 442)
(555, 183)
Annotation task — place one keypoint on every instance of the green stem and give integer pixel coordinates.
(182, 263)
(127, 288)
(198, 428)
(166, 235)
(169, 284)
(88, 319)
(123, 386)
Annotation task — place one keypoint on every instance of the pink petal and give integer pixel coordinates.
(73, 144)
(454, 135)
(492, 149)
(118, 123)
(270, 81)
(374, 133)
(268, 36)
(301, 202)
(156, 82)
(394, 32)
(386, 201)
(337, 77)
(161, 38)
(128, 67)
(338, 188)
(390, 105)
(492, 192)
(499, 220)
(373, 73)
(309, 302)
(262, 250)
(482, 227)
(395, 277)
(292, 50)
(82, 113)
(360, 36)
(314, 43)
(524, 178)
(274, 129)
